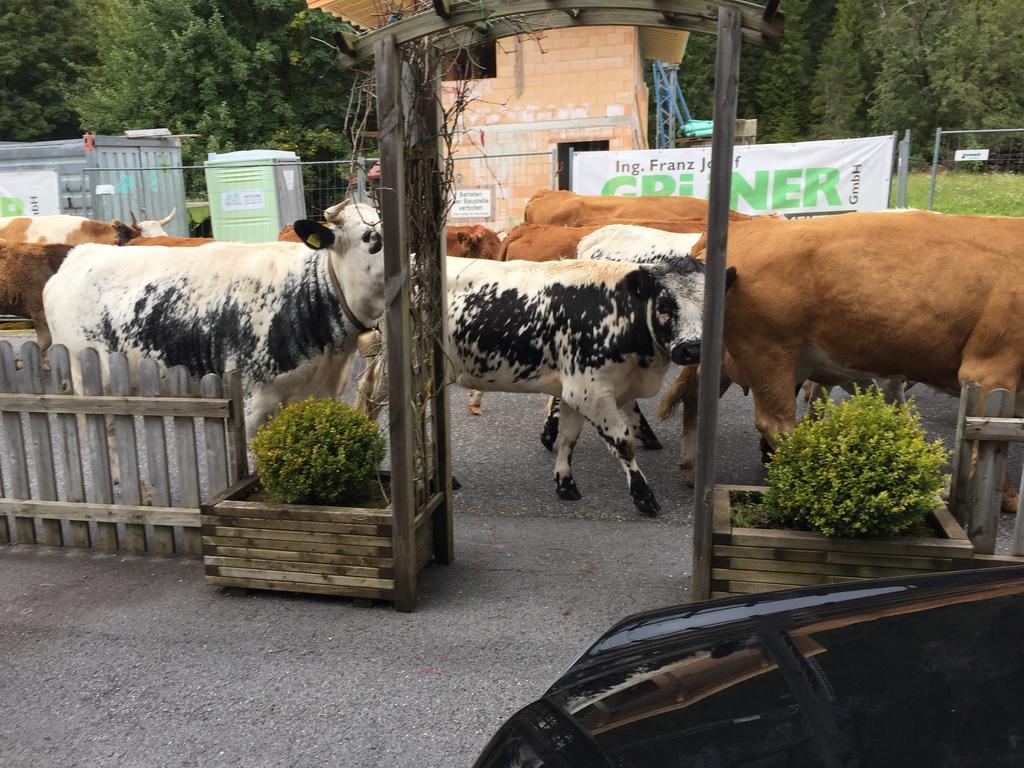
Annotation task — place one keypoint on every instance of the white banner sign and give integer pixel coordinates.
(29, 193)
(970, 154)
(809, 177)
(472, 203)
(242, 200)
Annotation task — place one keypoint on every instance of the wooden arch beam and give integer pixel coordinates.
(492, 19)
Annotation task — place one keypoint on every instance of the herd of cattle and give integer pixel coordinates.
(589, 302)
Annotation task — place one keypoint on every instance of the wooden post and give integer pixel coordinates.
(988, 478)
(188, 457)
(727, 69)
(391, 124)
(99, 456)
(127, 452)
(156, 456)
(237, 447)
(14, 444)
(959, 485)
(444, 538)
(216, 446)
(71, 453)
(40, 442)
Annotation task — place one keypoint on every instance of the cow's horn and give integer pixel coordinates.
(168, 217)
(135, 223)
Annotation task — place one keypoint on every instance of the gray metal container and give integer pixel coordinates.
(108, 177)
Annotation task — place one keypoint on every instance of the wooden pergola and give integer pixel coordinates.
(408, 143)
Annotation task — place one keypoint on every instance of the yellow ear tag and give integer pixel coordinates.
(313, 240)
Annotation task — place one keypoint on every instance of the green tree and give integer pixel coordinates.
(243, 75)
(40, 43)
(784, 82)
(904, 41)
(843, 75)
(977, 66)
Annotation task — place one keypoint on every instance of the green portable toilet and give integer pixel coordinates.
(253, 193)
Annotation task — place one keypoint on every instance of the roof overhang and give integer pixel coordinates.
(457, 23)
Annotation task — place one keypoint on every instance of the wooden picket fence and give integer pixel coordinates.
(45, 491)
(979, 466)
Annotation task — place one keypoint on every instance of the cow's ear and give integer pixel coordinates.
(123, 232)
(730, 277)
(641, 283)
(314, 235)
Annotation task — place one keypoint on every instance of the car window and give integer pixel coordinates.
(935, 687)
(722, 707)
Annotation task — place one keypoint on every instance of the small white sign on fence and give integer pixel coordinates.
(475, 203)
(970, 154)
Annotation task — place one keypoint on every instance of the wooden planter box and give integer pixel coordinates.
(746, 560)
(343, 551)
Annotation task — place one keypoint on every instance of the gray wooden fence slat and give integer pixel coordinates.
(238, 449)
(17, 483)
(99, 456)
(1018, 526)
(216, 443)
(127, 452)
(959, 487)
(988, 478)
(71, 450)
(30, 381)
(188, 459)
(156, 456)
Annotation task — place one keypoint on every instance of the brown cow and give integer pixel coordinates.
(73, 230)
(24, 270)
(571, 210)
(475, 242)
(930, 297)
(549, 242)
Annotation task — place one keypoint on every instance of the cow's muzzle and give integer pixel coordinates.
(687, 353)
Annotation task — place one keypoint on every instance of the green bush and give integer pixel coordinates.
(863, 469)
(317, 451)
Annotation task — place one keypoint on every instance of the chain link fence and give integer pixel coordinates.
(502, 184)
(964, 159)
(308, 187)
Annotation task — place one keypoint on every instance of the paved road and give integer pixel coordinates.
(112, 660)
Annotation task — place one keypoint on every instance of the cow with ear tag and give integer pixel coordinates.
(286, 314)
(597, 334)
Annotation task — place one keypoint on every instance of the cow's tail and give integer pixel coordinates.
(686, 385)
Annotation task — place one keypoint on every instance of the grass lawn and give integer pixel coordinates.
(989, 194)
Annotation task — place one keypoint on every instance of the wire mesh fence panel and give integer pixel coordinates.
(978, 172)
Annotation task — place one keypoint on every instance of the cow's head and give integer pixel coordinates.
(355, 247)
(150, 227)
(124, 232)
(675, 289)
(475, 243)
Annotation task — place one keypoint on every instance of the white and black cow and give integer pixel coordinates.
(636, 245)
(285, 315)
(598, 335)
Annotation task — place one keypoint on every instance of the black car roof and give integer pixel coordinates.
(681, 625)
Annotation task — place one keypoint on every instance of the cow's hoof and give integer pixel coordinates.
(766, 451)
(644, 500)
(455, 483)
(548, 437)
(475, 410)
(689, 476)
(567, 490)
(651, 442)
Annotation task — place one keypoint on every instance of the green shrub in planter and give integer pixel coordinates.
(317, 451)
(864, 469)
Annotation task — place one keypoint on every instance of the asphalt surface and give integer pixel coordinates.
(114, 660)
